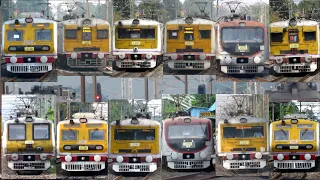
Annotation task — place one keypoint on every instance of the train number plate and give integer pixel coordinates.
(294, 45)
(244, 142)
(83, 147)
(294, 147)
(189, 43)
(86, 42)
(134, 144)
(28, 48)
(243, 48)
(136, 43)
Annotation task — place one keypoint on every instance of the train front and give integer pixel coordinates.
(86, 43)
(83, 144)
(135, 145)
(242, 143)
(241, 47)
(29, 45)
(190, 43)
(137, 43)
(294, 46)
(28, 143)
(187, 143)
(294, 143)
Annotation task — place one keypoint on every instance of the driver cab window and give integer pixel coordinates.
(310, 36)
(188, 34)
(276, 37)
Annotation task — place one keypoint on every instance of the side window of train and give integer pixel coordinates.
(276, 37)
(71, 34)
(205, 34)
(15, 35)
(173, 34)
(310, 36)
(102, 34)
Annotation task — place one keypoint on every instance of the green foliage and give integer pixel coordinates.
(63, 111)
(50, 114)
(168, 107)
(119, 109)
(310, 8)
(281, 109)
(203, 100)
(32, 6)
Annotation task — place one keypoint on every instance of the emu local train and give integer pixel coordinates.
(190, 43)
(295, 45)
(135, 145)
(240, 46)
(85, 42)
(294, 142)
(187, 143)
(28, 143)
(137, 43)
(29, 44)
(242, 142)
(82, 143)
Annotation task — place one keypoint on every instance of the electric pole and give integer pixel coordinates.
(83, 88)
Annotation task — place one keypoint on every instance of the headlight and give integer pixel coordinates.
(122, 56)
(309, 146)
(228, 60)
(203, 155)
(97, 158)
(12, 48)
(174, 155)
(308, 59)
(44, 59)
(14, 157)
(43, 157)
(119, 159)
(257, 60)
(148, 56)
(278, 147)
(280, 157)
(279, 60)
(262, 149)
(39, 148)
(13, 59)
(68, 158)
(67, 147)
(229, 156)
(74, 55)
(174, 56)
(99, 147)
(149, 159)
(45, 48)
(258, 155)
(202, 56)
(307, 157)
(100, 55)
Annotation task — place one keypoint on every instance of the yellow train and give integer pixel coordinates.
(85, 42)
(189, 43)
(29, 44)
(28, 143)
(82, 143)
(137, 43)
(294, 142)
(295, 45)
(242, 142)
(135, 145)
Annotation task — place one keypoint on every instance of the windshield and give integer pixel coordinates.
(86, 34)
(69, 135)
(41, 132)
(134, 134)
(306, 135)
(15, 35)
(43, 35)
(17, 132)
(242, 34)
(281, 135)
(136, 33)
(243, 132)
(187, 131)
(96, 135)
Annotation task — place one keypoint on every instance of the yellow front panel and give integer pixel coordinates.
(135, 145)
(28, 39)
(311, 46)
(227, 144)
(83, 139)
(181, 43)
(141, 43)
(20, 146)
(71, 44)
(294, 136)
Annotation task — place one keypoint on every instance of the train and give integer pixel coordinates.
(295, 46)
(135, 144)
(82, 143)
(242, 142)
(29, 44)
(241, 44)
(294, 142)
(187, 143)
(137, 43)
(28, 143)
(86, 43)
(189, 43)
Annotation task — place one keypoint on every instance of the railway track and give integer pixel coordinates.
(192, 176)
(147, 73)
(302, 175)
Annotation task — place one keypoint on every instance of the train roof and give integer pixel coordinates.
(35, 20)
(142, 122)
(84, 115)
(180, 119)
(300, 22)
(143, 22)
(79, 21)
(89, 120)
(23, 120)
(195, 21)
(249, 119)
(295, 116)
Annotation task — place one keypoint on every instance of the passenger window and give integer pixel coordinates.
(16, 35)
(43, 35)
(71, 34)
(205, 34)
(310, 36)
(173, 34)
(102, 34)
(276, 37)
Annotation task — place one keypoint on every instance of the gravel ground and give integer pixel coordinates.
(81, 175)
(134, 176)
(8, 174)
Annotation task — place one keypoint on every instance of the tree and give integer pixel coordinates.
(119, 109)
(283, 7)
(310, 8)
(31, 6)
(151, 9)
(6, 9)
(203, 100)
(168, 107)
(122, 7)
(281, 109)
(50, 114)
(173, 8)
